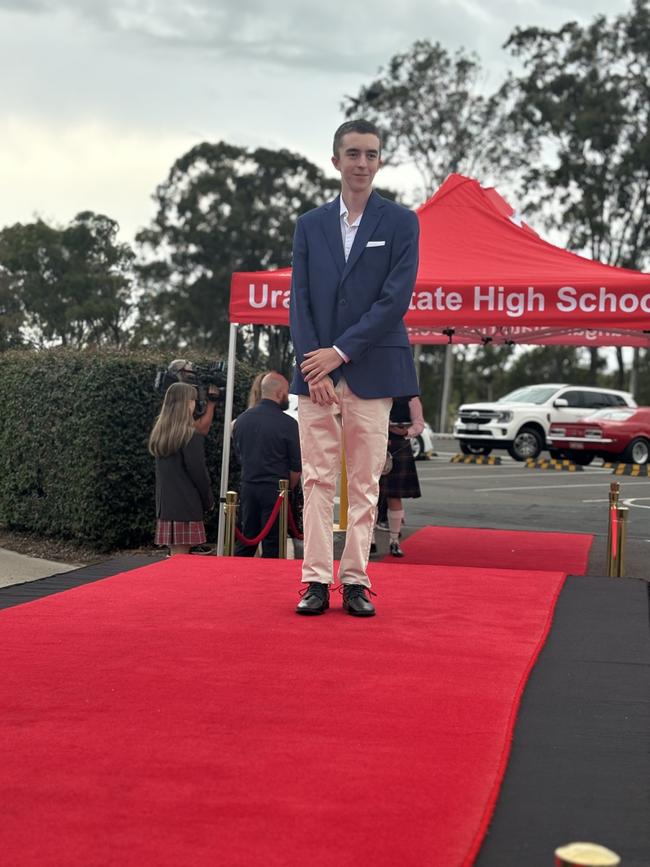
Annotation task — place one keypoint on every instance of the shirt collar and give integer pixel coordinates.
(343, 211)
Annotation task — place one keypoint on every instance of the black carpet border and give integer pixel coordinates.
(29, 591)
(579, 767)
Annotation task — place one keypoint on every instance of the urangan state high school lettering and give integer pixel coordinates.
(259, 296)
(491, 299)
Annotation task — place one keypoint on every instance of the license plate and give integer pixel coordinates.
(472, 427)
(576, 445)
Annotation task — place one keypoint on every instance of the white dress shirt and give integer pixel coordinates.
(348, 234)
(348, 230)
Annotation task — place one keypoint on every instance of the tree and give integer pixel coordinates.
(222, 209)
(580, 110)
(430, 111)
(584, 99)
(551, 364)
(72, 284)
(12, 315)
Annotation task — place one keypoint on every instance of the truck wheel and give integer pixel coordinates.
(417, 447)
(526, 445)
(468, 449)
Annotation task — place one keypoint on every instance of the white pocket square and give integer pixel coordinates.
(376, 244)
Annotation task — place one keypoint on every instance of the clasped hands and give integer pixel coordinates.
(315, 369)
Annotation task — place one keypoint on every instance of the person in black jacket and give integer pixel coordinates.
(268, 448)
(183, 489)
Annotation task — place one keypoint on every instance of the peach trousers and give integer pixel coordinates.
(361, 427)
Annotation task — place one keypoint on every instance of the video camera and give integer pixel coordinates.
(200, 376)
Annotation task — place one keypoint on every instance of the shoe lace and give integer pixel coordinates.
(354, 590)
(315, 587)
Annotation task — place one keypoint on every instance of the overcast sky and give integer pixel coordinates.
(99, 97)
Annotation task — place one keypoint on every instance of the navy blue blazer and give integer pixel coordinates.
(359, 304)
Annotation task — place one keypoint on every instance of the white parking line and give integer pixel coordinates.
(518, 475)
(630, 501)
(546, 487)
(455, 478)
(634, 502)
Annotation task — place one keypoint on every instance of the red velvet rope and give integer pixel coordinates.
(267, 528)
(295, 532)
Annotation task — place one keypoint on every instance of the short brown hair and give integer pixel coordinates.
(361, 126)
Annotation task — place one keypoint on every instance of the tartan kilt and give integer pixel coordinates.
(180, 533)
(402, 481)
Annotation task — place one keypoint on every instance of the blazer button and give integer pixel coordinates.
(343, 302)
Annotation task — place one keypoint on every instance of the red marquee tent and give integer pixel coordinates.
(482, 267)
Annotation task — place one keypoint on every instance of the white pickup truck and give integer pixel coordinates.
(519, 422)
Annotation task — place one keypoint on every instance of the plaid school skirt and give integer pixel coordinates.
(402, 481)
(180, 533)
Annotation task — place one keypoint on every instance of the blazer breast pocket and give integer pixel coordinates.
(376, 244)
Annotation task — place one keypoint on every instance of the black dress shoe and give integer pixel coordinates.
(356, 601)
(395, 549)
(373, 547)
(315, 598)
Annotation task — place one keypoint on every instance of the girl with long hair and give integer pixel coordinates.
(183, 490)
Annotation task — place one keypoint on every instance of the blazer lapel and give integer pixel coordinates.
(332, 230)
(371, 216)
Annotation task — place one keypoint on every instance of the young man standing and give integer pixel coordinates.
(354, 267)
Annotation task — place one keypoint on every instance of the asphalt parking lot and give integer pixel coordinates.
(511, 496)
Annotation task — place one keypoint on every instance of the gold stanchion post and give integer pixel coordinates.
(622, 538)
(230, 508)
(614, 490)
(283, 518)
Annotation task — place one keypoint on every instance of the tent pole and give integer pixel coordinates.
(446, 386)
(225, 450)
(417, 356)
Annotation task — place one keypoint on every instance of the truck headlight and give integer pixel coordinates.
(504, 416)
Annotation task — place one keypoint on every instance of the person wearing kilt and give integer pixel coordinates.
(183, 490)
(406, 421)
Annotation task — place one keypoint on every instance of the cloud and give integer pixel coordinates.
(25, 6)
(56, 175)
(99, 98)
(298, 34)
(292, 33)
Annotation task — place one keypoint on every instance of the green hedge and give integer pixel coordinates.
(73, 443)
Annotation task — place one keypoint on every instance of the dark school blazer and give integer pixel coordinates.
(358, 305)
(183, 489)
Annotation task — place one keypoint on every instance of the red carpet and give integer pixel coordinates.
(182, 714)
(498, 549)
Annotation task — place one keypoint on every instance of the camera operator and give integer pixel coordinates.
(185, 371)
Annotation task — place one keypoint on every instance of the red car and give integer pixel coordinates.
(621, 433)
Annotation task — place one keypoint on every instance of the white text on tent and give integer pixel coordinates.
(512, 303)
